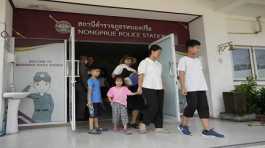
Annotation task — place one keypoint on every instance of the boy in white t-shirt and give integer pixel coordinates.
(194, 87)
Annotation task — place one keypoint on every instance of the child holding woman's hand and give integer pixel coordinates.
(117, 95)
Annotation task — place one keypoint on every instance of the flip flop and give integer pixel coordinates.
(127, 132)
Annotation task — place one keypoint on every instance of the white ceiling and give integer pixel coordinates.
(248, 8)
(89, 9)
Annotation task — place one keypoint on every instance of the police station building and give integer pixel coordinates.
(42, 41)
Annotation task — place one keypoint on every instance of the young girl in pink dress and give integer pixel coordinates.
(117, 95)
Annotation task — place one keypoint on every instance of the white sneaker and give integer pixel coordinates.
(142, 128)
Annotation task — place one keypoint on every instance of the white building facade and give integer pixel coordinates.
(211, 29)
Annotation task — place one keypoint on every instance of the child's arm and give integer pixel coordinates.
(130, 93)
(89, 94)
(110, 99)
(133, 94)
(110, 94)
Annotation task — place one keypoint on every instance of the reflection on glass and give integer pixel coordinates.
(260, 59)
(242, 64)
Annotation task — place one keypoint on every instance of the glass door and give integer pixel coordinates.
(169, 75)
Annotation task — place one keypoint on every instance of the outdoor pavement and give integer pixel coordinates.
(237, 135)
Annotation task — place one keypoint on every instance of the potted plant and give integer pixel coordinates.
(260, 105)
(240, 104)
(235, 103)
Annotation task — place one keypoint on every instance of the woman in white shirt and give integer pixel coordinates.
(150, 85)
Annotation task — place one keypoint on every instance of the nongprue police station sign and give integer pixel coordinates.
(96, 28)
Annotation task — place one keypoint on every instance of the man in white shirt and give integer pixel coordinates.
(150, 85)
(194, 87)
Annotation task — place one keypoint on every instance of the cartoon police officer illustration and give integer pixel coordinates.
(43, 101)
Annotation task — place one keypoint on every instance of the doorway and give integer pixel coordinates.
(107, 56)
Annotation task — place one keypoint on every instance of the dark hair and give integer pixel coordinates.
(93, 67)
(134, 60)
(154, 48)
(191, 43)
(119, 77)
(83, 57)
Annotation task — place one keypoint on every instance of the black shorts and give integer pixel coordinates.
(197, 100)
(97, 110)
(135, 102)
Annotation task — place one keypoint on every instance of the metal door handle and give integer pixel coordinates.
(77, 71)
(170, 69)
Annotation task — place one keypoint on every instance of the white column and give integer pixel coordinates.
(6, 18)
(220, 70)
(12, 116)
(211, 30)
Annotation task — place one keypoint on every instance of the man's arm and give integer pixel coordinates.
(182, 83)
(140, 83)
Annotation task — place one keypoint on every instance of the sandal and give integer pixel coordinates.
(127, 132)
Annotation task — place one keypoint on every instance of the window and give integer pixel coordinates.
(242, 63)
(260, 63)
(248, 61)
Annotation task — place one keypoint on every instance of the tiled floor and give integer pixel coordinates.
(63, 137)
